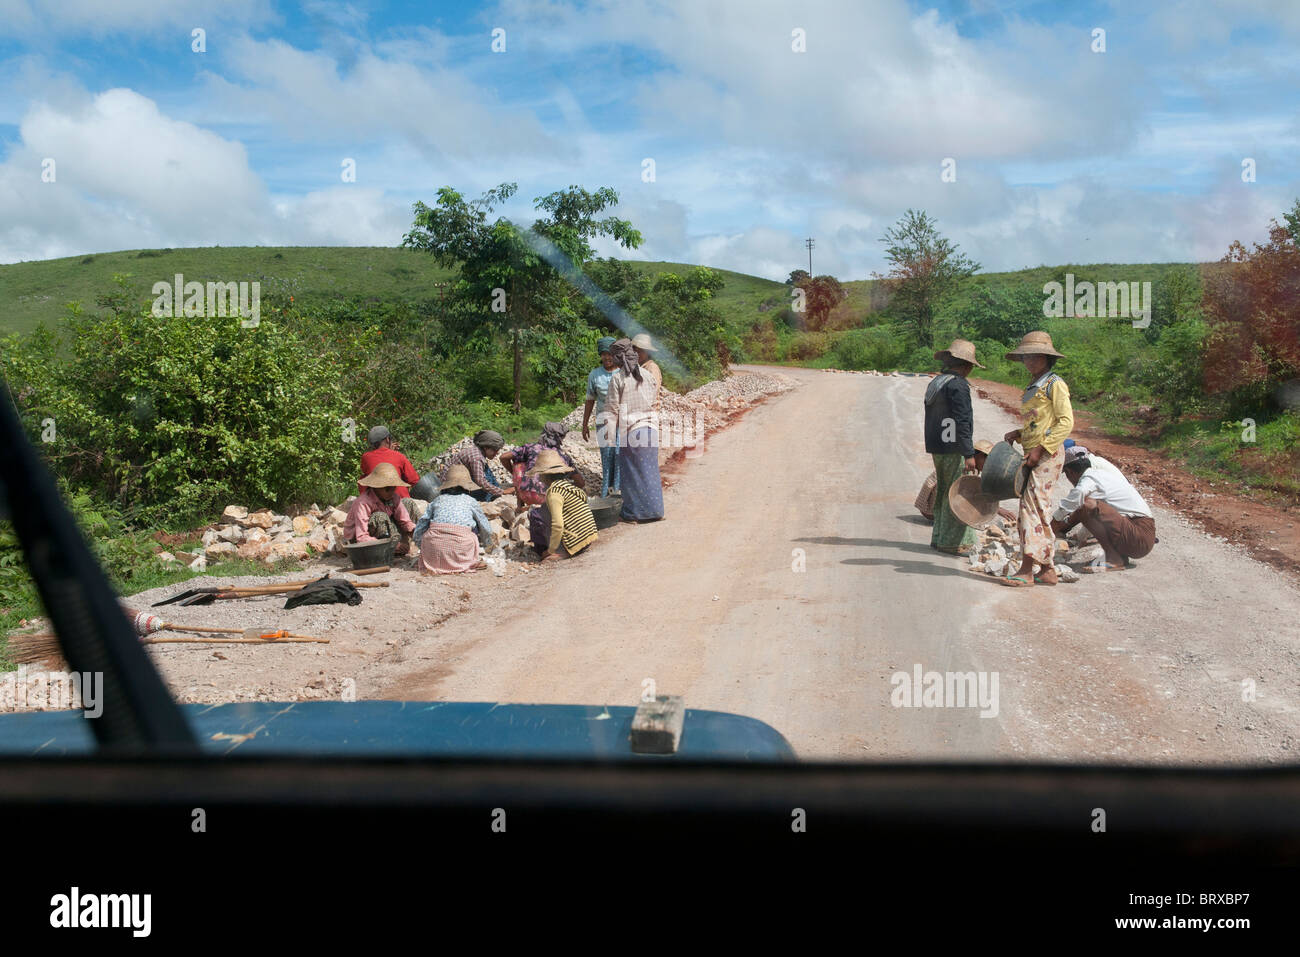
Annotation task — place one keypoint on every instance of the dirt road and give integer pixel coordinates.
(792, 579)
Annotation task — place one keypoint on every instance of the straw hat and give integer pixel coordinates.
(458, 477)
(960, 349)
(549, 462)
(643, 342)
(984, 445)
(384, 475)
(971, 505)
(1036, 343)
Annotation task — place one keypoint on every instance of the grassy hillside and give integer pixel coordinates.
(34, 291)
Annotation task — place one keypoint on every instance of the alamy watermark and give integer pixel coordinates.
(215, 300)
(27, 690)
(946, 689)
(1089, 300)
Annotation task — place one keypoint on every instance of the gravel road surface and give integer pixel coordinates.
(791, 581)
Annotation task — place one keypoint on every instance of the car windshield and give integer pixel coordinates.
(861, 382)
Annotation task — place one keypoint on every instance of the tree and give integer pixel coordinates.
(509, 281)
(926, 267)
(1251, 303)
(821, 295)
(1000, 313)
(1292, 217)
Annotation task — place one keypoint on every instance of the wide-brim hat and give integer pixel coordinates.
(642, 341)
(971, 505)
(1037, 343)
(549, 462)
(984, 445)
(960, 349)
(384, 475)
(458, 477)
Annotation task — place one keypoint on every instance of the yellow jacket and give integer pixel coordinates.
(1048, 418)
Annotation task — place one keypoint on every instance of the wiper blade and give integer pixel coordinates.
(138, 712)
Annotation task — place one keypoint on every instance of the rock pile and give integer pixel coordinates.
(265, 536)
(997, 552)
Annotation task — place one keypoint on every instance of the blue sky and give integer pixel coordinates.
(1063, 154)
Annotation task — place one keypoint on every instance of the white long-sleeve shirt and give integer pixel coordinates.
(1104, 485)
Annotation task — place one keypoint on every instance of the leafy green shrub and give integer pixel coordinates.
(181, 415)
(879, 347)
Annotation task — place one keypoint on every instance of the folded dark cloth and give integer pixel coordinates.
(325, 591)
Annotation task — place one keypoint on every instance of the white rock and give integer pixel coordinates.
(1066, 573)
(219, 550)
(231, 533)
(235, 513)
(166, 557)
(199, 564)
(210, 537)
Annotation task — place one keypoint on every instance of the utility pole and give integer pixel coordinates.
(809, 243)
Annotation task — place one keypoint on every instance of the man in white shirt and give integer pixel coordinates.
(1109, 507)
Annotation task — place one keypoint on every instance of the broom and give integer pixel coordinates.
(25, 649)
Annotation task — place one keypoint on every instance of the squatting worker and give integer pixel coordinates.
(925, 498)
(1109, 507)
(1048, 419)
(377, 513)
(452, 528)
(597, 390)
(383, 448)
(949, 430)
(476, 457)
(572, 525)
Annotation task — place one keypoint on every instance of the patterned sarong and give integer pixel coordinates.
(638, 465)
(1037, 540)
(949, 530)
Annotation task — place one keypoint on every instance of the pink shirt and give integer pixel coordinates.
(357, 526)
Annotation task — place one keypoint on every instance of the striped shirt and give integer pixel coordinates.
(572, 524)
(634, 404)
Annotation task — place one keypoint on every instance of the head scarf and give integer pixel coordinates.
(553, 434)
(624, 354)
(604, 343)
(1074, 453)
(486, 438)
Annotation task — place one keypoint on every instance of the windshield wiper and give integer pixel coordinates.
(96, 638)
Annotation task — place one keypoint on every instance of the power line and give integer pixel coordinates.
(809, 243)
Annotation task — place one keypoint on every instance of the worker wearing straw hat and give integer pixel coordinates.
(925, 499)
(1048, 419)
(949, 430)
(453, 526)
(571, 524)
(644, 349)
(377, 513)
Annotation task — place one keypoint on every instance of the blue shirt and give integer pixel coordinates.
(597, 388)
(454, 508)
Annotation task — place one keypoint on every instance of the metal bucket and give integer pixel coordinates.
(606, 510)
(1003, 476)
(426, 488)
(371, 554)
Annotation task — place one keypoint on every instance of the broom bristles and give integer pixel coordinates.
(26, 649)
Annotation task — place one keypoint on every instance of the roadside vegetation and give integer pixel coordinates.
(152, 425)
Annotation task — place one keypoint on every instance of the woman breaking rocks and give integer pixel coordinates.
(1048, 418)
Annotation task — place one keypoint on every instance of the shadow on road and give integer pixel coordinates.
(913, 520)
(907, 567)
(878, 542)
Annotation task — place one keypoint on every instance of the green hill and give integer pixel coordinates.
(31, 292)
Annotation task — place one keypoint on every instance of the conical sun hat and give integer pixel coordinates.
(960, 349)
(458, 477)
(1035, 343)
(549, 462)
(970, 504)
(384, 475)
